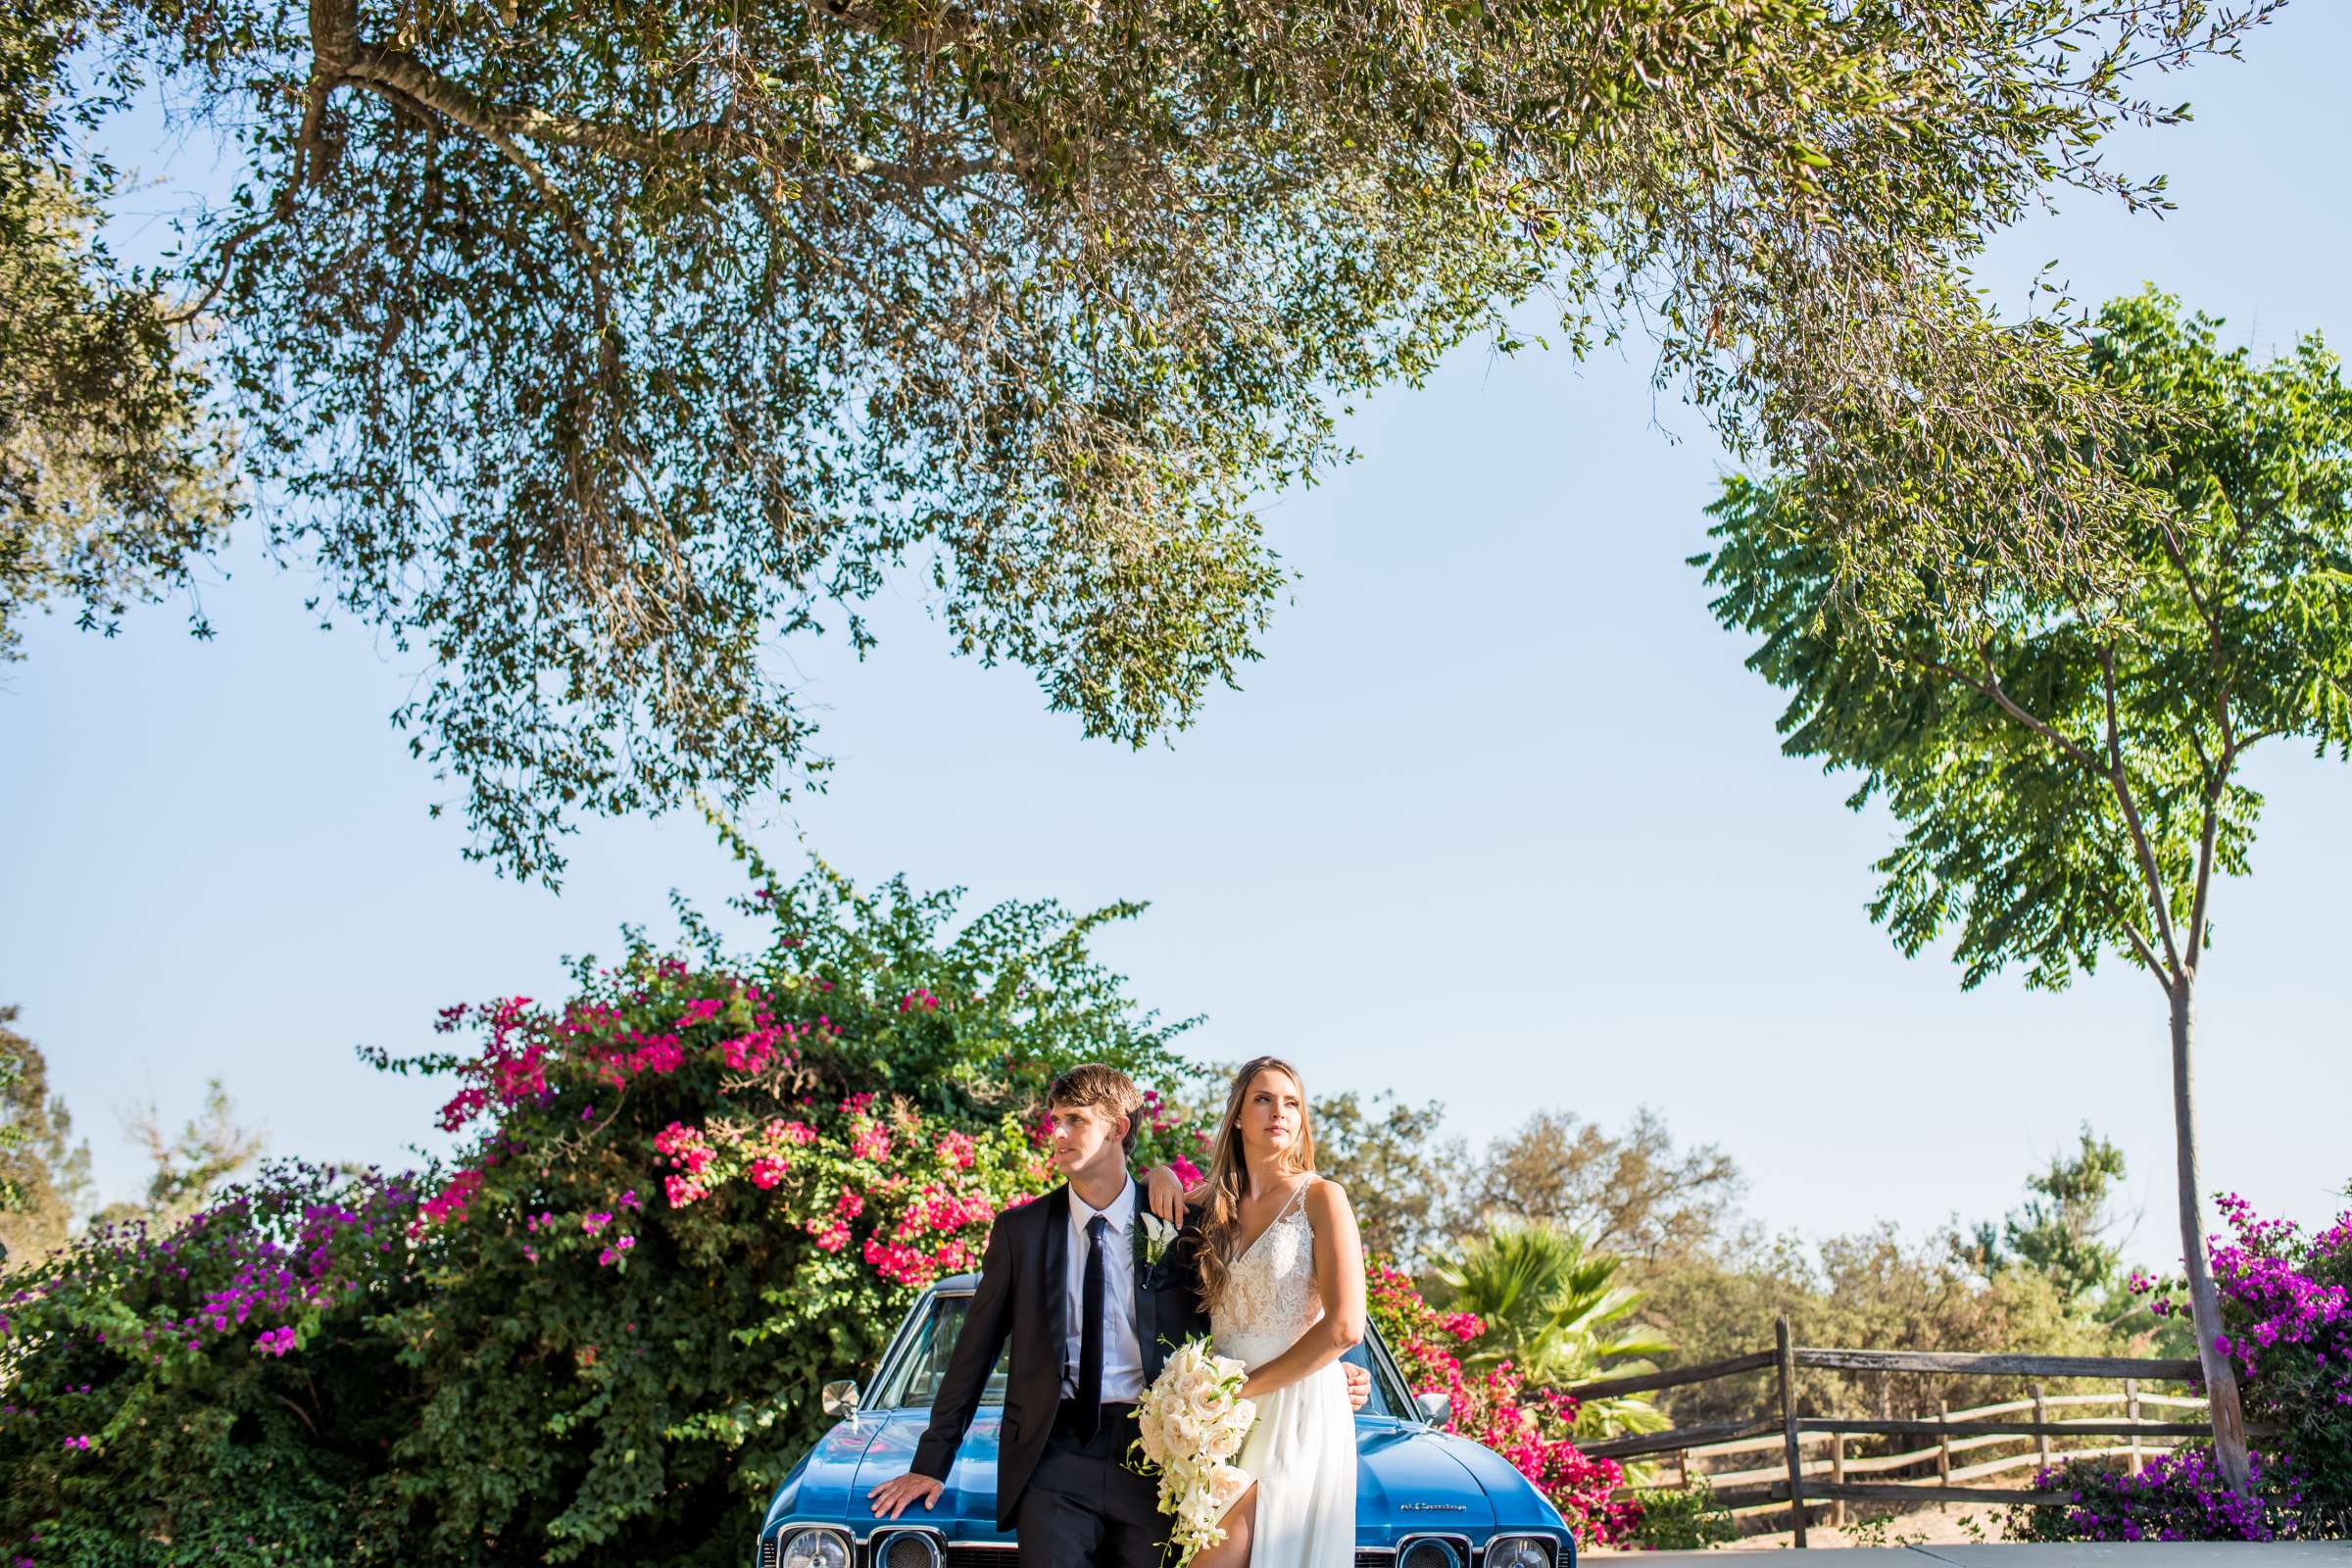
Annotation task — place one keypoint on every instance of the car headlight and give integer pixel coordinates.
(1518, 1551)
(814, 1548)
(903, 1549)
(1430, 1551)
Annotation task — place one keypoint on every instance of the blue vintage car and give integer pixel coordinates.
(1425, 1498)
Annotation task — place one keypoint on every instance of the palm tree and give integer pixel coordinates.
(1552, 1310)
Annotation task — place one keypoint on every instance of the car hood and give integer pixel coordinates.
(967, 1509)
(1410, 1480)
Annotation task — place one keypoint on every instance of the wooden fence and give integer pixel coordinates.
(1798, 1484)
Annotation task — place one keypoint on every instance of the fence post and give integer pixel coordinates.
(2042, 1439)
(2131, 1414)
(1837, 1477)
(1797, 1468)
(1682, 1469)
(1943, 1453)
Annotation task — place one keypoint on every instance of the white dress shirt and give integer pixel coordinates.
(1122, 1352)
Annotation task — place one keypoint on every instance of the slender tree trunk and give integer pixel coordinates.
(2205, 1303)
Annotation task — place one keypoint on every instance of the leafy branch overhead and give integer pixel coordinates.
(597, 364)
(112, 477)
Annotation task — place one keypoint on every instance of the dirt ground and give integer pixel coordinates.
(1925, 1527)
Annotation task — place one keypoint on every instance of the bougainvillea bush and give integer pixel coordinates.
(206, 1396)
(2181, 1495)
(2286, 1315)
(683, 1199)
(1530, 1427)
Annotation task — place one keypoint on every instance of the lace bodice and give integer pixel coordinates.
(1270, 1290)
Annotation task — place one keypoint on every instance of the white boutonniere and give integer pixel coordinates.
(1157, 1234)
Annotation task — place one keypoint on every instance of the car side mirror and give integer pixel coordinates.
(1435, 1407)
(840, 1400)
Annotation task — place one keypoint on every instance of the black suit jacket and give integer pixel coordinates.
(1022, 1301)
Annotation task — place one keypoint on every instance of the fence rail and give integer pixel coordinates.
(1797, 1483)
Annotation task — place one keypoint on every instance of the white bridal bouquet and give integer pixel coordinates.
(1192, 1422)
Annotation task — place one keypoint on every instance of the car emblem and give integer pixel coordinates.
(1435, 1507)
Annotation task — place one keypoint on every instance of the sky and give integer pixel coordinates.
(1499, 820)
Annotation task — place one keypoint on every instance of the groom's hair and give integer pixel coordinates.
(1097, 1087)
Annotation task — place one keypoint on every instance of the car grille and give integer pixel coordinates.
(980, 1556)
(771, 1547)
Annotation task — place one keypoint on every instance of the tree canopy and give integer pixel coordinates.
(2067, 767)
(597, 363)
(113, 476)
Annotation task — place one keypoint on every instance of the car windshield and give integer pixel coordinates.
(912, 1374)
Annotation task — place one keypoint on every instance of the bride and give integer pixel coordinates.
(1282, 1278)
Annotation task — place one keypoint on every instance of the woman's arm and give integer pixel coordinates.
(1339, 1281)
(1164, 1191)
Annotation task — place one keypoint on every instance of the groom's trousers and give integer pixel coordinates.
(1083, 1507)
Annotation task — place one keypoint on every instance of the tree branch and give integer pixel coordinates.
(1990, 688)
(954, 29)
(2147, 956)
(397, 68)
(2122, 785)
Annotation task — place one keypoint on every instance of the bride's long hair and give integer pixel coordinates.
(1228, 1180)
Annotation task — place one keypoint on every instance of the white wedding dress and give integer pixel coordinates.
(1302, 1453)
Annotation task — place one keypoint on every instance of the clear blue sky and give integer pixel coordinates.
(1501, 820)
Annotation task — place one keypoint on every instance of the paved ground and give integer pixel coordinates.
(2090, 1554)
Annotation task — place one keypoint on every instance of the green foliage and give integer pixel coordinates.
(1683, 1519)
(2063, 761)
(153, 1415)
(1633, 1193)
(2061, 1230)
(12, 1139)
(1396, 1168)
(44, 1172)
(593, 360)
(1551, 1308)
(1870, 1290)
(112, 476)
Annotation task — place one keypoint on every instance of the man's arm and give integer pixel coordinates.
(977, 1345)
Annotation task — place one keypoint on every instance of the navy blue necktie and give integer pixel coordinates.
(1090, 1331)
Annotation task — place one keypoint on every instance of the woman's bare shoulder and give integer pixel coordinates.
(1326, 1199)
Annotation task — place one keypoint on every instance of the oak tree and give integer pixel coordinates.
(599, 359)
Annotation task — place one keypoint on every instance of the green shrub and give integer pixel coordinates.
(213, 1396)
(1683, 1518)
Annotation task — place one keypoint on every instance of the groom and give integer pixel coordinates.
(1066, 1281)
